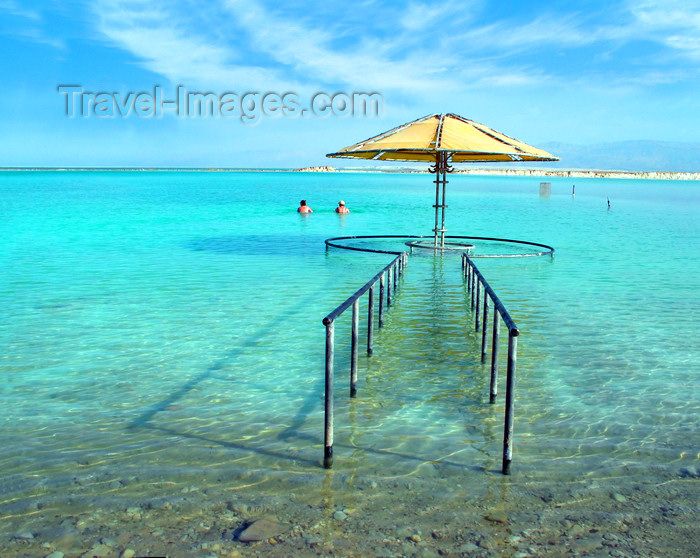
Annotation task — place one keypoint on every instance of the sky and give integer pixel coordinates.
(103, 83)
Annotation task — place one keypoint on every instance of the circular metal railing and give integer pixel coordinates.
(453, 243)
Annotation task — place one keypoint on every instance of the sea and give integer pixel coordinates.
(162, 367)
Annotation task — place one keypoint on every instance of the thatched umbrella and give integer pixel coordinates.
(443, 139)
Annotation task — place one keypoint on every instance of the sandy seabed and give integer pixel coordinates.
(329, 513)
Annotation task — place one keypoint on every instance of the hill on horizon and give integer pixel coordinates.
(627, 156)
(633, 156)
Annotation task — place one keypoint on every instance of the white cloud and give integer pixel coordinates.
(34, 35)
(419, 16)
(12, 7)
(27, 24)
(506, 37)
(309, 52)
(667, 13)
(168, 45)
(285, 52)
(423, 47)
(674, 23)
(687, 44)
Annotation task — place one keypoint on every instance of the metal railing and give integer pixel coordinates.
(393, 271)
(456, 243)
(475, 284)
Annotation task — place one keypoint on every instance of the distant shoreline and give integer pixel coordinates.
(479, 171)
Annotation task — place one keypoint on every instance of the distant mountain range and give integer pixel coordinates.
(635, 156)
(627, 156)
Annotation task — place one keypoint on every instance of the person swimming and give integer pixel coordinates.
(341, 207)
(303, 208)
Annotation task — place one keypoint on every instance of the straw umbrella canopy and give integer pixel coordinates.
(443, 139)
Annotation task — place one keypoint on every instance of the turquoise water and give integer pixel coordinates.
(163, 329)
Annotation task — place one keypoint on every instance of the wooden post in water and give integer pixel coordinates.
(328, 433)
(493, 392)
(484, 327)
(510, 401)
(353, 353)
(370, 319)
(396, 275)
(381, 300)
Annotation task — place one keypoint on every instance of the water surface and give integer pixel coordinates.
(162, 343)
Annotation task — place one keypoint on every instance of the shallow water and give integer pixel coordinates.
(163, 345)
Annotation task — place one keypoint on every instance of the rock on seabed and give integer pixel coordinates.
(261, 530)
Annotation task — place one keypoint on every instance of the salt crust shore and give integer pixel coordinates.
(647, 175)
(653, 175)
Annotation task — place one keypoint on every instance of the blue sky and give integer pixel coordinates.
(575, 72)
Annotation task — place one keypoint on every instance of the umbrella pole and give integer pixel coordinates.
(443, 206)
(441, 169)
(437, 202)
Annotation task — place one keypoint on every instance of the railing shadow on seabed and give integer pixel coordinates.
(476, 283)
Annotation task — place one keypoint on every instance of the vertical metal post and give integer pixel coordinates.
(388, 288)
(443, 206)
(473, 287)
(437, 200)
(484, 327)
(381, 300)
(370, 319)
(353, 353)
(493, 392)
(469, 277)
(476, 314)
(328, 434)
(510, 401)
(441, 168)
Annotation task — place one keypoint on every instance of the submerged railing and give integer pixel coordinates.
(392, 271)
(475, 284)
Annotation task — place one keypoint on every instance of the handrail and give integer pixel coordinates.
(510, 323)
(393, 271)
(362, 290)
(475, 280)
